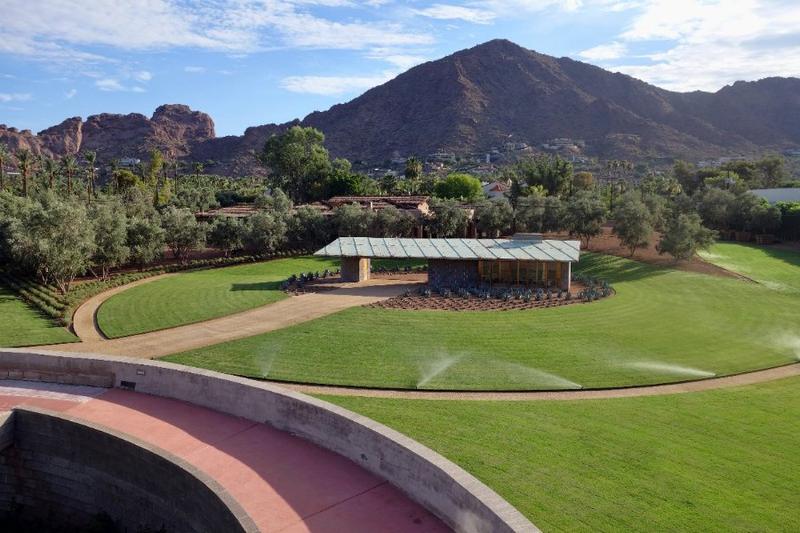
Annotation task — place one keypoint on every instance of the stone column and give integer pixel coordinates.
(566, 276)
(355, 269)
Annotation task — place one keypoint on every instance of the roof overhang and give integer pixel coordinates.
(454, 249)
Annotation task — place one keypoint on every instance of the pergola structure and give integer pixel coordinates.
(524, 260)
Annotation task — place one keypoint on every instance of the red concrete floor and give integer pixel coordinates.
(283, 482)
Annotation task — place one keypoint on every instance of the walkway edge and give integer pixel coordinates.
(84, 320)
(723, 382)
(459, 499)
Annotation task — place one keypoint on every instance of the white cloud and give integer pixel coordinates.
(114, 85)
(69, 95)
(332, 85)
(604, 52)
(58, 30)
(452, 12)
(14, 97)
(142, 75)
(706, 44)
(397, 57)
(194, 70)
(109, 84)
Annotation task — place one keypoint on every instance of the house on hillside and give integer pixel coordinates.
(495, 189)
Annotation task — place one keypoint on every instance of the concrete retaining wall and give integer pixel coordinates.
(456, 497)
(62, 472)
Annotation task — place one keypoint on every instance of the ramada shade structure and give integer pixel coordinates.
(523, 260)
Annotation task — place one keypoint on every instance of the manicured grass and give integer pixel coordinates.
(776, 268)
(722, 460)
(663, 325)
(22, 325)
(196, 296)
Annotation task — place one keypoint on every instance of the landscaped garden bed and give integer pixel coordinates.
(446, 300)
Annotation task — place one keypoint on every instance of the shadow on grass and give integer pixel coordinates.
(613, 268)
(262, 286)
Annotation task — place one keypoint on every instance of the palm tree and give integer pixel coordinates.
(50, 170)
(5, 155)
(24, 164)
(198, 169)
(91, 158)
(69, 165)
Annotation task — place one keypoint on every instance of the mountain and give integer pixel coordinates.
(469, 102)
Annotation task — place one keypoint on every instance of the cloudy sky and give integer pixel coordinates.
(249, 62)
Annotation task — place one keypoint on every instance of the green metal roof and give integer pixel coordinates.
(506, 249)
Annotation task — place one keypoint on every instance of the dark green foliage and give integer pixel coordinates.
(493, 217)
(684, 235)
(183, 233)
(584, 215)
(538, 214)
(459, 187)
(632, 222)
(449, 219)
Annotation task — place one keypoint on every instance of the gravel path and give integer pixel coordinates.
(278, 315)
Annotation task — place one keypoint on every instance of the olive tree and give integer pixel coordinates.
(352, 220)
(684, 235)
(448, 218)
(584, 215)
(182, 232)
(716, 207)
(110, 235)
(227, 234)
(539, 214)
(492, 217)
(55, 239)
(145, 240)
(266, 232)
(632, 223)
(307, 226)
(392, 222)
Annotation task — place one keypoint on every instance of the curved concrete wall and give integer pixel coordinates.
(57, 471)
(456, 497)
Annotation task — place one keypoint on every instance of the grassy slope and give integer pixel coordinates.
(724, 460)
(777, 269)
(202, 295)
(659, 317)
(21, 325)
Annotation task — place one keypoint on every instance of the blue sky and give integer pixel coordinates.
(251, 62)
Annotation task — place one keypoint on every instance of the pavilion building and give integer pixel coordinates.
(526, 260)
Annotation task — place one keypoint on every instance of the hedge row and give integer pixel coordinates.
(61, 307)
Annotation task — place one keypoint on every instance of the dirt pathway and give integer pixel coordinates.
(747, 378)
(284, 313)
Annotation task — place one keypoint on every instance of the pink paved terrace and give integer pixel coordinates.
(283, 482)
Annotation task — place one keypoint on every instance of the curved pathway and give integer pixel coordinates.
(284, 483)
(298, 309)
(281, 314)
(746, 378)
(84, 321)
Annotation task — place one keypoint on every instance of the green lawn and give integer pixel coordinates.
(723, 460)
(196, 296)
(777, 269)
(22, 325)
(663, 325)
